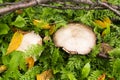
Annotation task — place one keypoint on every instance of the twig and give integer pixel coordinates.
(19, 5)
(91, 5)
(73, 7)
(109, 7)
(89, 2)
(4, 4)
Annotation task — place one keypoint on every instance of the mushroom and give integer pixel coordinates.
(75, 38)
(29, 39)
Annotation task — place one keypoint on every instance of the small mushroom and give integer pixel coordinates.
(104, 50)
(29, 39)
(75, 38)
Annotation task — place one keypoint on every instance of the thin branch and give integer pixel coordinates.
(7, 3)
(73, 7)
(19, 5)
(109, 7)
(89, 2)
(45, 3)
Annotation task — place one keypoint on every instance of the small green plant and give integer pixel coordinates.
(64, 66)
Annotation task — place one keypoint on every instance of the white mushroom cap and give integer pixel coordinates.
(75, 38)
(29, 39)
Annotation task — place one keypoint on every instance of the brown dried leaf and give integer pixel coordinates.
(111, 79)
(101, 77)
(46, 75)
(20, 11)
(15, 42)
(30, 62)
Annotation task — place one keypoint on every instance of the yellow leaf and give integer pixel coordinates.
(52, 29)
(36, 22)
(102, 77)
(2, 68)
(30, 62)
(104, 33)
(41, 24)
(47, 26)
(15, 42)
(103, 24)
(100, 23)
(46, 75)
(107, 20)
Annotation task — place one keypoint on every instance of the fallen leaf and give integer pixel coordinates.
(2, 68)
(36, 22)
(101, 77)
(106, 31)
(30, 62)
(107, 20)
(52, 29)
(20, 11)
(103, 24)
(46, 75)
(100, 23)
(15, 42)
(111, 79)
(41, 24)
